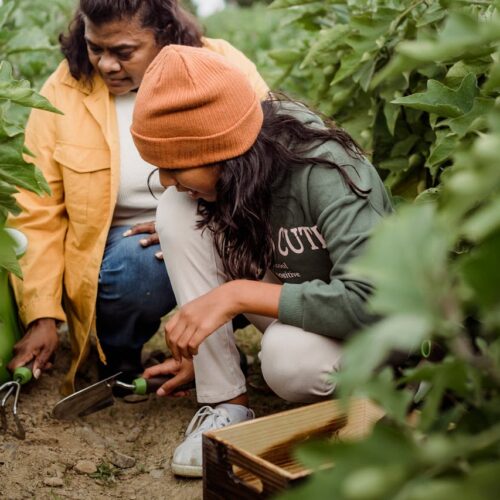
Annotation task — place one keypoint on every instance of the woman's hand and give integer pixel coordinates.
(183, 373)
(38, 344)
(196, 320)
(146, 228)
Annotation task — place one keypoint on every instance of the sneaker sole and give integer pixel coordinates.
(187, 470)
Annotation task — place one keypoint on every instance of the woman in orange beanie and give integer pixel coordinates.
(270, 206)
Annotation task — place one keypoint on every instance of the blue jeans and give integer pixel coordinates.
(134, 293)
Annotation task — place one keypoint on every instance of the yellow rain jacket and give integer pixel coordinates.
(78, 154)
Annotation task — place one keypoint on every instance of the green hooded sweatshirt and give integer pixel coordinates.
(319, 225)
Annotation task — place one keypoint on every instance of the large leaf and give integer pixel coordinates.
(365, 352)
(442, 100)
(407, 261)
(20, 91)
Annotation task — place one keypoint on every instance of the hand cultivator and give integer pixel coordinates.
(12, 389)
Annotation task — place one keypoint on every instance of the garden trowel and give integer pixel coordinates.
(100, 395)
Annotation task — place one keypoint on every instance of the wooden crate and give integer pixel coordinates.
(255, 459)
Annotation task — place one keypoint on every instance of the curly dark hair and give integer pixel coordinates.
(168, 20)
(239, 219)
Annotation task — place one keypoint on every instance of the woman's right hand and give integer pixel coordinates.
(182, 373)
(37, 345)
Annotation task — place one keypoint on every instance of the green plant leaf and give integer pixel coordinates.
(20, 92)
(441, 151)
(483, 222)
(442, 100)
(24, 175)
(473, 120)
(281, 4)
(7, 201)
(481, 272)
(382, 389)
(5, 12)
(34, 39)
(366, 351)
(480, 483)
(372, 468)
(451, 374)
(391, 113)
(8, 259)
(285, 56)
(406, 259)
(326, 40)
(462, 35)
(493, 82)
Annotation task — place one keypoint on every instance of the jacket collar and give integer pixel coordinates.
(86, 88)
(97, 100)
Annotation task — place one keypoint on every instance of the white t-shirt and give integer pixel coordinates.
(135, 203)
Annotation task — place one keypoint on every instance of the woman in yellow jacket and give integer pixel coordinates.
(93, 258)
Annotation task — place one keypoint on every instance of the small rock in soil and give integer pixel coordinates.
(55, 470)
(55, 482)
(121, 460)
(133, 435)
(91, 437)
(85, 467)
(157, 473)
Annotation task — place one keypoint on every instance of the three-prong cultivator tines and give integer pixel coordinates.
(11, 390)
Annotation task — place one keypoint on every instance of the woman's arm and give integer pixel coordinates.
(196, 320)
(254, 297)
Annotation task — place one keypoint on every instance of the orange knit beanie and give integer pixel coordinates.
(194, 108)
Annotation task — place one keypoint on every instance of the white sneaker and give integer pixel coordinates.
(187, 460)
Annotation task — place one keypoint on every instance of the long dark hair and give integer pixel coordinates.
(169, 22)
(239, 219)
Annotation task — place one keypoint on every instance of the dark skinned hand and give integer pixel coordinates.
(146, 228)
(38, 345)
(183, 372)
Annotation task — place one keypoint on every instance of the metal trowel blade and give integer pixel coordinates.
(86, 401)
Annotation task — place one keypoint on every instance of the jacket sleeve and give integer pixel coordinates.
(44, 222)
(335, 308)
(241, 61)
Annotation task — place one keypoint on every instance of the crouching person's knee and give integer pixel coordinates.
(176, 217)
(297, 365)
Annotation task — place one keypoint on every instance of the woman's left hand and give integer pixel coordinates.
(197, 319)
(145, 228)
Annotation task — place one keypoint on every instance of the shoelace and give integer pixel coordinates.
(207, 418)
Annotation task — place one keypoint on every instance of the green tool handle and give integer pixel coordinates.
(23, 374)
(147, 386)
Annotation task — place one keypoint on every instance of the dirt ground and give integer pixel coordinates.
(123, 451)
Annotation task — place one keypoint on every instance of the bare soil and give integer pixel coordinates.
(83, 459)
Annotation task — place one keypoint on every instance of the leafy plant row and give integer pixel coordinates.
(403, 77)
(28, 50)
(418, 84)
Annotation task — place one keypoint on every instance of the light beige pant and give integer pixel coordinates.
(296, 364)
